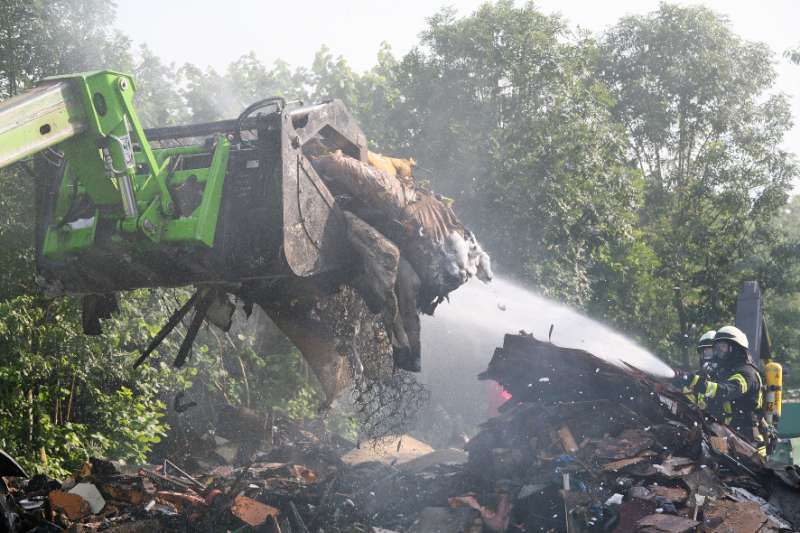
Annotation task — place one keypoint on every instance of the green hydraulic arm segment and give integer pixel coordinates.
(227, 202)
(91, 120)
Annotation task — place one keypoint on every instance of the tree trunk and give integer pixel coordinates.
(684, 327)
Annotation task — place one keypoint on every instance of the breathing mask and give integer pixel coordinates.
(708, 360)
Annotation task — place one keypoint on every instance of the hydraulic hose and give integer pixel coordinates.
(278, 101)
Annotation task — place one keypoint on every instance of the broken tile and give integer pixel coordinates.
(727, 516)
(71, 505)
(252, 512)
(671, 494)
(89, 492)
(668, 523)
(616, 466)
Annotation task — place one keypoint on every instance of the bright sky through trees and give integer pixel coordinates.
(208, 32)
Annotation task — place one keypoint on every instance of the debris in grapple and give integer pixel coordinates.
(409, 252)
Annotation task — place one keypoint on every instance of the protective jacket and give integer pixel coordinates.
(734, 396)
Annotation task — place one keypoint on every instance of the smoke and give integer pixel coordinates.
(459, 341)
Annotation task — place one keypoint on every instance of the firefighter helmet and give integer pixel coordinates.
(706, 340)
(732, 334)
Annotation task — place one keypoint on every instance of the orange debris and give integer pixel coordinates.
(252, 512)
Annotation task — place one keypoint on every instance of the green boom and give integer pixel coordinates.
(92, 120)
(238, 201)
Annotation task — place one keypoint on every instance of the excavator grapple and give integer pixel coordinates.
(283, 207)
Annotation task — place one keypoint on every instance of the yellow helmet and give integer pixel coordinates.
(732, 334)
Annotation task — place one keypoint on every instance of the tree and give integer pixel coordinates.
(209, 95)
(39, 39)
(332, 77)
(158, 100)
(779, 266)
(66, 397)
(254, 81)
(375, 98)
(705, 134)
(18, 21)
(502, 112)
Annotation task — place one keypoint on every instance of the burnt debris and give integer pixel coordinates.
(581, 445)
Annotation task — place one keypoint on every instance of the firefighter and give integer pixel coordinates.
(705, 352)
(734, 393)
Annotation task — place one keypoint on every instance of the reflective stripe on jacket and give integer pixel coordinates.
(736, 399)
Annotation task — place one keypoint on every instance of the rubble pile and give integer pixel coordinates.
(584, 445)
(273, 491)
(295, 478)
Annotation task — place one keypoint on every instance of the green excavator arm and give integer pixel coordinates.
(207, 203)
(90, 117)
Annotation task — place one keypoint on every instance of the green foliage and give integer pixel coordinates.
(782, 305)
(705, 134)
(43, 38)
(209, 95)
(72, 396)
(502, 110)
(253, 366)
(67, 396)
(158, 102)
(793, 55)
(16, 233)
